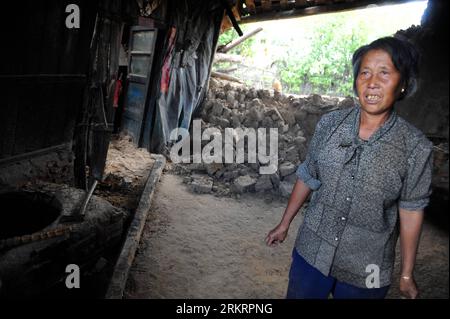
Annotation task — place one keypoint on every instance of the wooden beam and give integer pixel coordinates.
(222, 57)
(238, 41)
(225, 77)
(312, 10)
(234, 68)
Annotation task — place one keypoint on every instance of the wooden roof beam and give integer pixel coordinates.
(336, 6)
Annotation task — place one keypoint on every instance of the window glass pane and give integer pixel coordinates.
(140, 64)
(142, 40)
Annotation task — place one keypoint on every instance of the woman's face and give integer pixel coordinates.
(378, 82)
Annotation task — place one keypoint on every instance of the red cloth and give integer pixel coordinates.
(117, 92)
(165, 72)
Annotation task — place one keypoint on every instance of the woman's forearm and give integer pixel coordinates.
(410, 229)
(298, 196)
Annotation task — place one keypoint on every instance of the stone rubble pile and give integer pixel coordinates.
(229, 106)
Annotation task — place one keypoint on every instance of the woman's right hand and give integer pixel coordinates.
(298, 196)
(277, 235)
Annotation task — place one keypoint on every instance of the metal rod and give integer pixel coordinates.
(87, 198)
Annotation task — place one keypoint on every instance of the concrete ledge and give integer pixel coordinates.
(126, 257)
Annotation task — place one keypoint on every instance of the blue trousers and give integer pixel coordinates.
(306, 282)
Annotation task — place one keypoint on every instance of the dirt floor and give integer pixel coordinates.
(203, 246)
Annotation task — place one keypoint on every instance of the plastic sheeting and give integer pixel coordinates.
(192, 37)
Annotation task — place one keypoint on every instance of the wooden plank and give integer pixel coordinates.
(128, 251)
(300, 11)
(225, 77)
(222, 57)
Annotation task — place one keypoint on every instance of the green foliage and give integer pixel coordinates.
(326, 69)
(313, 54)
(228, 36)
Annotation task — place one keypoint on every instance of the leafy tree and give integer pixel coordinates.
(326, 69)
(316, 57)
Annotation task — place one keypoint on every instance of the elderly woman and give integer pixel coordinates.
(369, 172)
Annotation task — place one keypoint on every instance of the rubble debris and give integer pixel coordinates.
(230, 105)
(126, 170)
(201, 184)
(244, 184)
(286, 168)
(263, 184)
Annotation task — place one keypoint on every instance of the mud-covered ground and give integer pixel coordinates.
(204, 246)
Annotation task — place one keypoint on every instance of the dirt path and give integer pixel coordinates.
(202, 246)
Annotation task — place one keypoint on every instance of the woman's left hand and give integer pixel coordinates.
(408, 288)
